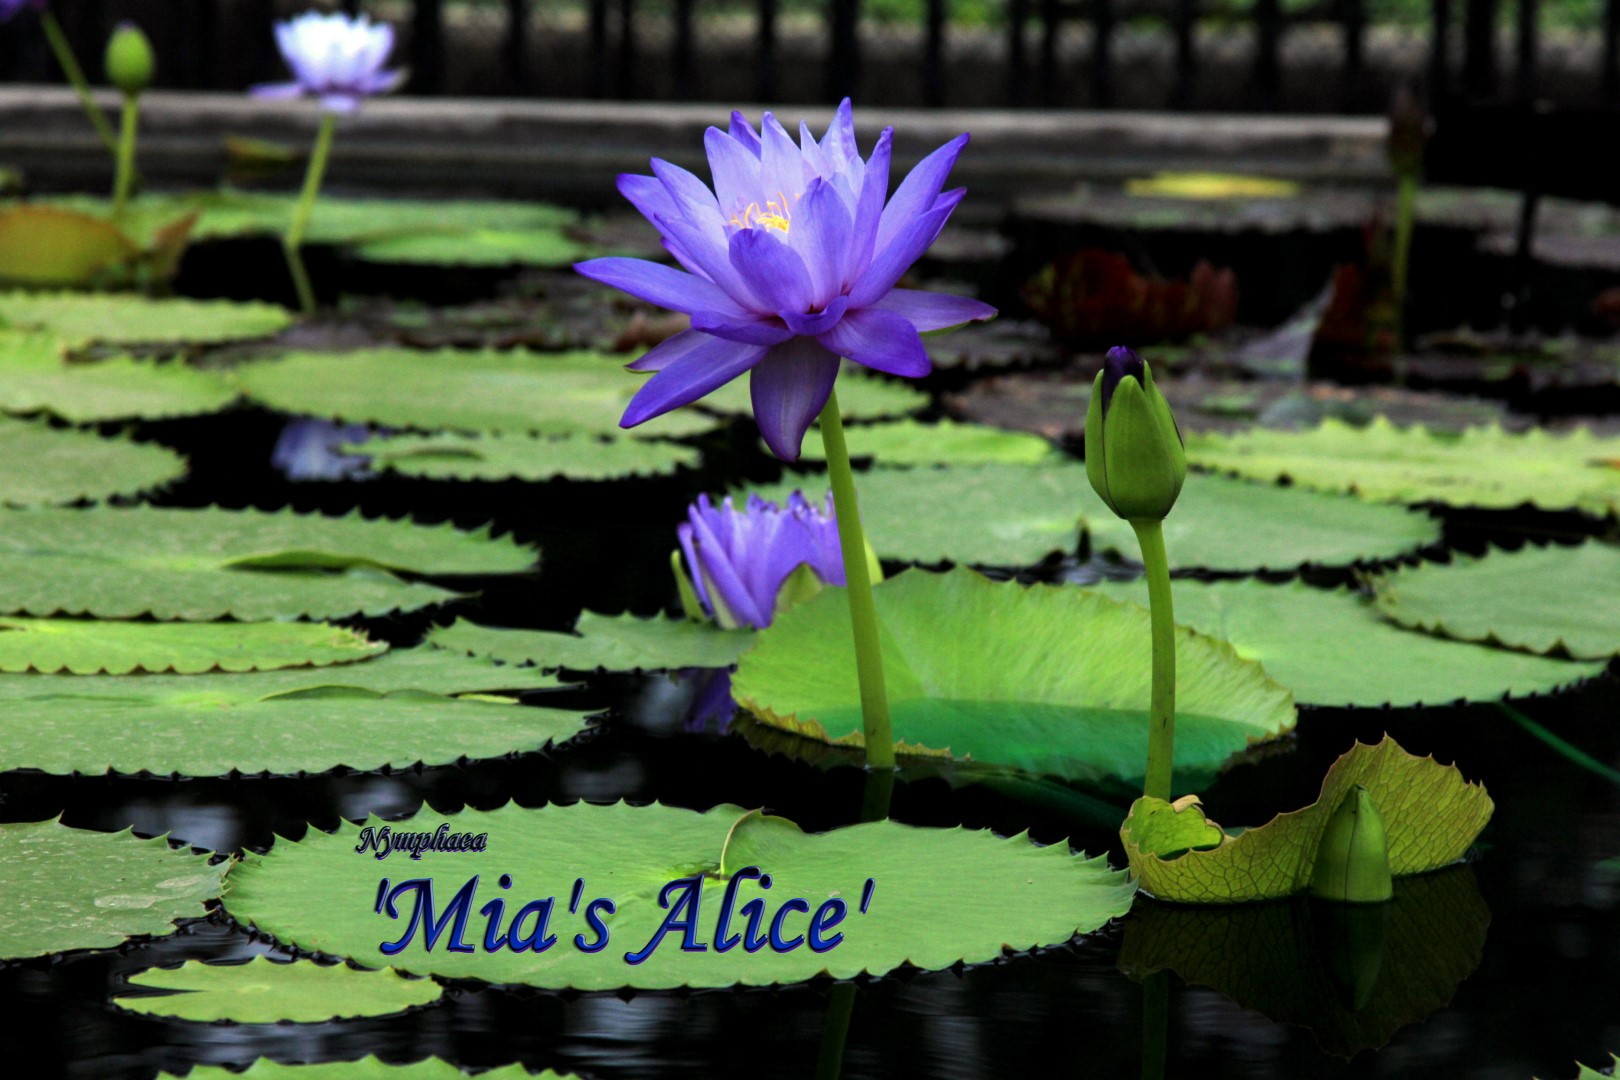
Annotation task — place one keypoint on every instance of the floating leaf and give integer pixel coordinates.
(941, 895)
(205, 564)
(1331, 648)
(911, 442)
(479, 247)
(394, 711)
(1540, 599)
(603, 643)
(564, 393)
(263, 991)
(42, 466)
(860, 397)
(106, 319)
(45, 246)
(104, 646)
(1293, 961)
(498, 456)
(1211, 185)
(1482, 466)
(981, 515)
(35, 376)
(77, 889)
(367, 1068)
(1046, 679)
(1223, 524)
(1431, 817)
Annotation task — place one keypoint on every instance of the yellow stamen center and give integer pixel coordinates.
(774, 215)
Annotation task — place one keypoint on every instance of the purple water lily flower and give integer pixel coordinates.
(739, 560)
(336, 58)
(791, 263)
(9, 8)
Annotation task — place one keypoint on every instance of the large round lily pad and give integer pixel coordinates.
(1331, 648)
(897, 443)
(939, 896)
(45, 466)
(125, 319)
(1539, 599)
(77, 889)
(602, 643)
(36, 376)
(498, 456)
(106, 646)
(1046, 679)
(264, 991)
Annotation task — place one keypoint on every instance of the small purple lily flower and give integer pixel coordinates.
(336, 58)
(739, 560)
(791, 263)
(9, 8)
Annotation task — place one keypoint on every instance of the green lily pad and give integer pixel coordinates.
(940, 896)
(979, 515)
(263, 991)
(367, 1068)
(394, 711)
(497, 456)
(1046, 679)
(77, 889)
(123, 319)
(1539, 599)
(253, 565)
(1223, 524)
(568, 393)
(104, 646)
(623, 642)
(1589, 1073)
(899, 443)
(1431, 818)
(1481, 466)
(1331, 648)
(861, 396)
(35, 376)
(44, 466)
(479, 247)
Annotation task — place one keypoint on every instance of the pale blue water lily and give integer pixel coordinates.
(789, 263)
(738, 561)
(336, 58)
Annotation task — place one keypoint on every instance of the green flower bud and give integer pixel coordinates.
(129, 59)
(1134, 453)
(1352, 861)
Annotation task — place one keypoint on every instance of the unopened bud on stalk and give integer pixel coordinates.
(1352, 862)
(129, 60)
(1134, 453)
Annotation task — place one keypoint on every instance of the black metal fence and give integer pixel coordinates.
(1184, 54)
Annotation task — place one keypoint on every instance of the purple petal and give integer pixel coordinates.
(750, 331)
(772, 269)
(683, 532)
(744, 132)
(382, 82)
(668, 351)
(701, 368)
(814, 160)
(869, 206)
(341, 102)
(661, 285)
(647, 194)
(895, 259)
(781, 167)
(716, 561)
(820, 233)
(789, 388)
(690, 196)
(735, 171)
(839, 142)
(706, 252)
(880, 340)
(276, 91)
(819, 323)
(918, 190)
(931, 310)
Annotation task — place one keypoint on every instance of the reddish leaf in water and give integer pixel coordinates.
(1093, 297)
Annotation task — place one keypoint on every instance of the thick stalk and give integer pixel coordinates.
(862, 609)
(75, 76)
(294, 240)
(1155, 1025)
(1162, 716)
(834, 1032)
(1405, 211)
(125, 179)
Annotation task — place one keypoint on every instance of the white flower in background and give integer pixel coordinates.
(337, 58)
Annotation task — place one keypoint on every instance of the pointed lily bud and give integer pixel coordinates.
(1134, 453)
(129, 59)
(1352, 861)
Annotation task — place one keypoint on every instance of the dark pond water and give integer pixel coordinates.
(1506, 968)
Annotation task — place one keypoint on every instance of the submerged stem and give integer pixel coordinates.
(1405, 212)
(125, 178)
(294, 240)
(75, 76)
(862, 608)
(1162, 715)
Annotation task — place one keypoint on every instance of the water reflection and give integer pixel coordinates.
(1352, 974)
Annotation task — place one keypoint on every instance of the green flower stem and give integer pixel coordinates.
(126, 153)
(1155, 1025)
(862, 609)
(834, 1032)
(1405, 213)
(1162, 718)
(75, 76)
(294, 240)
